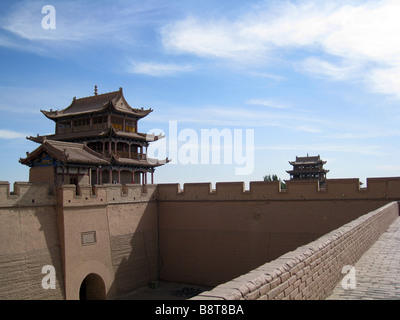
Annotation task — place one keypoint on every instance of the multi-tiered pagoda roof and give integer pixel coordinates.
(102, 131)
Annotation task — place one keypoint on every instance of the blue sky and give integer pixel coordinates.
(316, 77)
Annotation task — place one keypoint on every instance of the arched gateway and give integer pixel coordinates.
(92, 288)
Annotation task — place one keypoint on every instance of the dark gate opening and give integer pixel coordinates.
(92, 288)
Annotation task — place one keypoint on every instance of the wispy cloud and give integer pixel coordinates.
(268, 75)
(266, 103)
(32, 99)
(373, 150)
(79, 24)
(385, 80)
(158, 69)
(336, 72)
(9, 134)
(241, 116)
(25, 19)
(362, 36)
(388, 167)
(217, 39)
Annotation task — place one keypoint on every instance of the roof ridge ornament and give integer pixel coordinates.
(95, 90)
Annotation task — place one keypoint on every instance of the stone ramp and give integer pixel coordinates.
(377, 272)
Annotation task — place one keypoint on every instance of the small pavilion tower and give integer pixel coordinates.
(308, 168)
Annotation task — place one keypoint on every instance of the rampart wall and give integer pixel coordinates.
(336, 189)
(142, 233)
(312, 270)
(38, 229)
(28, 241)
(211, 236)
(126, 225)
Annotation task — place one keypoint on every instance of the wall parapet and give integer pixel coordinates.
(313, 270)
(377, 188)
(26, 194)
(99, 195)
(31, 194)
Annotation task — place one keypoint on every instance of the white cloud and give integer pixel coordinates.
(79, 24)
(362, 36)
(249, 38)
(373, 150)
(268, 75)
(158, 69)
(319, 67)
(266, 103)
(368, 30)
(389, 167)
(205, 38)
(30, 99)
(8, 134)
(72, 23)
(385, 80)
(307, 128)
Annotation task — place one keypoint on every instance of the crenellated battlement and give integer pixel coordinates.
(376, 188)
(70, 195)
(26, 194)
(39, 194)
(205, 235)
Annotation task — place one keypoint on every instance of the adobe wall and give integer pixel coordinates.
(311, 271)
(124, 221)
(39, 229)
(28, 241)
(130, 235)
(42, 174)
(211, 236)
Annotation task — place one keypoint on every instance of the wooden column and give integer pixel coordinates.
(110, 176)
(152, 177)
(119, 175)
(133, 177)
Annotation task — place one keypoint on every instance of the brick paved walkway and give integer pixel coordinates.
(377, 272)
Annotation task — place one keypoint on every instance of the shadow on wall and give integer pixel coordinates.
(204, 239)
(209, 239)
(134, 245)
(39, 232)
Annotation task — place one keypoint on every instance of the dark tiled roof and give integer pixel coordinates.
(67, 152)
(94, 134)
(68, 136)
(140, 163)
(307, 160)
(97, 103)
(305, 171)
(97, 134)
(79, 153)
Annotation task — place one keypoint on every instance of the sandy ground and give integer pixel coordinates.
(165, 291)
